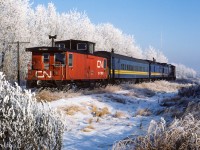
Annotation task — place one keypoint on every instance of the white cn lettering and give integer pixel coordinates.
(99, 64)
(41, 74)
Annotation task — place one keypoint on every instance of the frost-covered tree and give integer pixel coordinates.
(183, 72)
(108, 37)
(14, 17)
(44, 22)
(151, 53)
(26, 124)
(76, 25)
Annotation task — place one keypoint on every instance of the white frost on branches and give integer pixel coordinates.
(151, 53)
(108, 37)
(183, 72)
(25, 124)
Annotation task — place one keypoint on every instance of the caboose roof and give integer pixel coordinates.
(69, 45)
(45, 48)
(72, 40)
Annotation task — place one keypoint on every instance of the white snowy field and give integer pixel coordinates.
(96, 121)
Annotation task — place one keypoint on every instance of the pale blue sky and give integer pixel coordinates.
(172, 26)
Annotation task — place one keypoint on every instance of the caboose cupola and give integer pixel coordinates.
(78, 45)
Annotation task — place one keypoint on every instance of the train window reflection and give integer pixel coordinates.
(60, 58)
(46, 57)
(81, 46)
(105, 63)
(61, 45)
(70, 60)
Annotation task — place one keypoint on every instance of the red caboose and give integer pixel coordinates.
(68, 62)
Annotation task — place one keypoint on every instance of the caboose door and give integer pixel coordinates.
(59, 68)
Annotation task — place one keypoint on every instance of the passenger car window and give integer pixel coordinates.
(136, 68)
(70, 60)
(123, 67)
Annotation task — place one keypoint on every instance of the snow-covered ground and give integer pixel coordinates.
(96, 121)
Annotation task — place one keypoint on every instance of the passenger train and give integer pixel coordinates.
(75, 62)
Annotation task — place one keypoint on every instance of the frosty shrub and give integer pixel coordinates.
(26, 124)
(186, 102)
(191, 91)
(181, 134)
(193, 94)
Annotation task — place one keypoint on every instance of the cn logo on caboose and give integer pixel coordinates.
(99, 64)
(41, 74)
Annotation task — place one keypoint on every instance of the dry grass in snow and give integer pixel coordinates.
(73, 109)
(143, 112)
(88, 128)
(112, 88)
(49, 95)
(160, 86)
(138, 90)
(99, 112)
(119, 114)
(182, 134)
(85, 108)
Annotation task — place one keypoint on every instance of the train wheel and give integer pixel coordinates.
(98, 85)
(67, 87)
(31, 84)
(92, 85)
(104, 83)
(74, 87)
(59, 85)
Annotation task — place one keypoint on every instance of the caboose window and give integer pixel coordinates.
(59, 58)
(46, 57)
(105, 63)
(70, 60)
(91, 48)
(81, 46)
(61, 45)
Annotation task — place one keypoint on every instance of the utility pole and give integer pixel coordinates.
(18, 59)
